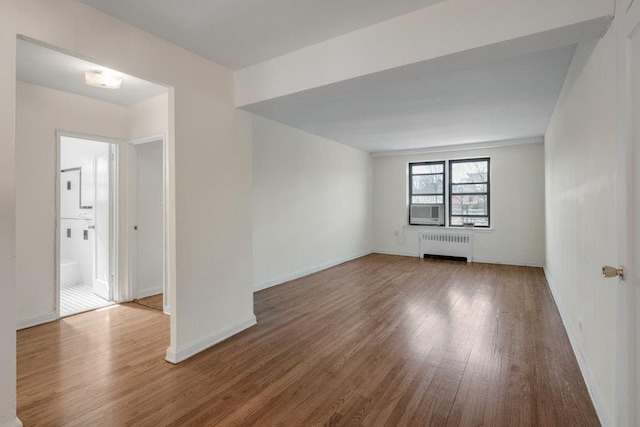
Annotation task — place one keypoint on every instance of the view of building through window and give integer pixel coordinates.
(461, 190)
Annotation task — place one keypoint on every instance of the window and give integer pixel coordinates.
(427, 183)
(426, 193)
(468, 192)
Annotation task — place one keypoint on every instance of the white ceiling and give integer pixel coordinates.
(47, 67)
(239, 33)
(440, 102)
(455, 99)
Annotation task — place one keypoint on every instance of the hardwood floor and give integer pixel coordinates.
(381, 340)
(154, 301)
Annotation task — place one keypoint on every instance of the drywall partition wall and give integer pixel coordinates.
(40, 112)
(7, 230)
(208, 141)
(148, 118)
(517, 204)
(311, 203)
(580, 163)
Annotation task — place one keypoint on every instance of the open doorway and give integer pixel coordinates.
(58, 96)
(85, 224)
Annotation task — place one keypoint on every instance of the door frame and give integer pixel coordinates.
(132, 215)
(628, 205)
(113, 208)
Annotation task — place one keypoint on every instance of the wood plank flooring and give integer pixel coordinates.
(154, 301)
(379, 341)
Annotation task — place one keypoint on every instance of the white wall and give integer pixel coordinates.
(7, 228)
(311, 202)
(517, 204)
(209, 141)
(149, 118)
(39, 113)
(581, 235)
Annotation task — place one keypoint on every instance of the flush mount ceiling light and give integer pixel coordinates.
(104, 79)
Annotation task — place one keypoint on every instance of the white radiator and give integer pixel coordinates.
(458, 244)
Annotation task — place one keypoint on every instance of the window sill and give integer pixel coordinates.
(447, 229)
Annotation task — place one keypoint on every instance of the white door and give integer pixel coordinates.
(150, 207)
(102, 227)
(628, 381)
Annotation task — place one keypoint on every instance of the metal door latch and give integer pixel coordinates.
(608, 271)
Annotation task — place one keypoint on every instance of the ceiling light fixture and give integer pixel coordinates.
(104, 79)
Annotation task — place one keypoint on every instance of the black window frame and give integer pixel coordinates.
(487, 193)
(443, 163)
(447, 191)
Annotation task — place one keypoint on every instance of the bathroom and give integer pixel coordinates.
(84, 226)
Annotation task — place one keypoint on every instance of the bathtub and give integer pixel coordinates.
(69, 272)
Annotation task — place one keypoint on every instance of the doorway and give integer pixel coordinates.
(85, 224)
(147, 216)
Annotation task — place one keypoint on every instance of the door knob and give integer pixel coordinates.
(91, 227)
(608, 271)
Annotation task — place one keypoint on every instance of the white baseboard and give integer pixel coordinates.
(14, 423)
(508, 262)
(298, 274)
(577, 351)
(475, 259)
(177, 355)
(27, 322)
(398, 253)
(148, 292)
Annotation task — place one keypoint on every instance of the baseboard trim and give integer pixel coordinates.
(396, 253)
(298, 274)
(508, 262)
(15, 423)
(28, 322)
(148, 292)
(475, 259)
(577, 351)
(177, 355)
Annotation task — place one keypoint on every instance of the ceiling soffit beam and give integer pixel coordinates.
(484, 145)
(446, 28)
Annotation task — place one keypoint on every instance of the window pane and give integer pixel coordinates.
(433, 168)
(478, 222)
(469, 205)
(428, 200)
(469, 188)
(427, 184)
(464, 172)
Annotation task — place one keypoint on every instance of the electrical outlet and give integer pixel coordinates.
(580, 325)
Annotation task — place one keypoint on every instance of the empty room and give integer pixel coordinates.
(417, 212)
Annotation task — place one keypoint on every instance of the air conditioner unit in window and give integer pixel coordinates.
(426, 215)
